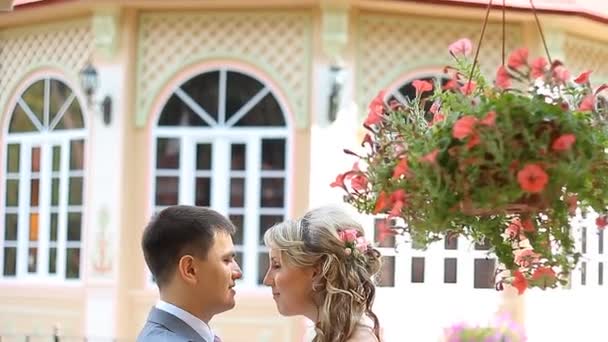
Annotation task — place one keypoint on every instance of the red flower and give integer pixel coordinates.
(438, 117)
(563, 142)
(435, 107)
(339, 182)
(503, 79)
(431, 158)
(601, 222)
(396, 210)
(468, 88)
(538, 66)
(532, 178)
(401, 169)
(489, 119)
(545, 276)
(528, 225)
(358, 182)
(583, 77)
(473, 141)
(587, 104)
(462, 46)
(451, 84)
(422, 86)
(382, 202)
(376, 110)
(518, 58)
(398, 200)
(561, 74)
(520, 282)
(464, 126)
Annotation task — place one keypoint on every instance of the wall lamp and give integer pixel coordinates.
(89, 81)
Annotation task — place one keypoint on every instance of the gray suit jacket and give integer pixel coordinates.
(162, 326)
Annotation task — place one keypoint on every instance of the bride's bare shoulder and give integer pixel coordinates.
(363, 334)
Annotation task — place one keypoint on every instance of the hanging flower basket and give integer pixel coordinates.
(509, 162)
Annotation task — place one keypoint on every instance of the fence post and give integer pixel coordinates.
(55, 333)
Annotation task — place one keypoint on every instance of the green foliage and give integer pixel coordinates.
(476, 161)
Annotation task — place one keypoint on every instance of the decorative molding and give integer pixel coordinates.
(101, 261)
(277, 43)
(64, 46)
(588, 54)
(334, 27)
(105, 24)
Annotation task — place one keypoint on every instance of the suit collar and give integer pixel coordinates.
(174, 324)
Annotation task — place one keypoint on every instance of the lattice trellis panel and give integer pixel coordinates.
(392, 46)
(584, 54)
(66, 46)
(276, 43)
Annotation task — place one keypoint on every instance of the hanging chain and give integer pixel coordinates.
(540, 30)
(504, 25)
(483, 31)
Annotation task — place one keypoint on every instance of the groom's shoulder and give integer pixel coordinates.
(154, 332)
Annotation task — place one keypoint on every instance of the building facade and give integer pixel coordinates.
(245, 108)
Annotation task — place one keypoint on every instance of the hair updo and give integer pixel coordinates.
(344, 288)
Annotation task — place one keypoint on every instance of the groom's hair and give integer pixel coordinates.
(177, 231)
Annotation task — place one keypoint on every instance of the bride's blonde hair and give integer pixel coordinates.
(344, 289)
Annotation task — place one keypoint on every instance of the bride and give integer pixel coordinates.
(322, 267)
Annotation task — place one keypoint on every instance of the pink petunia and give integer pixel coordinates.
(587, 104)
(462, 46)
(422, 86)
(561, 74)
(431, 157)
(583, 77)
(464, 127)
(518, 58)
(563, 142)
(376, 110)
(538, 67)
(489, 119)
(468, 88)
(503, 79)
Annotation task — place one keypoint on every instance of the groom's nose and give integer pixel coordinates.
(236, 271)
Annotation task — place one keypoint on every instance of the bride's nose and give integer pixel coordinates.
(268, 279)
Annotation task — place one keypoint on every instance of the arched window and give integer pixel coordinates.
(44, 177)
(221, 141)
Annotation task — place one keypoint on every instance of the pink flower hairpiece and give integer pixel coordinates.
(353, 241)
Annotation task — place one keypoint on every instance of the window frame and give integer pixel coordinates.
(46, 139)
(221, 134)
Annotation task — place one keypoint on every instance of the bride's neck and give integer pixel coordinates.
(313, 314)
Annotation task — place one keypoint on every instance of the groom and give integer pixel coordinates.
(190, 253)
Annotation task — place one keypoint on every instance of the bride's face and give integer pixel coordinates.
(291, 286)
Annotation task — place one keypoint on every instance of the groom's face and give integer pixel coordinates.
(218, 274)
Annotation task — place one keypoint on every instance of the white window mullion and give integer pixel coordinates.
(24, 210)
(44, 202)
(248, 106)
(63, 208)
(252, 212)
(220, 183)
(187, 166)
(289, 167)
(221, 105)
(47, 100)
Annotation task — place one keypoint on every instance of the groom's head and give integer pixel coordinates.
(190, 253)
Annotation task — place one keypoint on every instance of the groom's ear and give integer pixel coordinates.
(186, 269)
